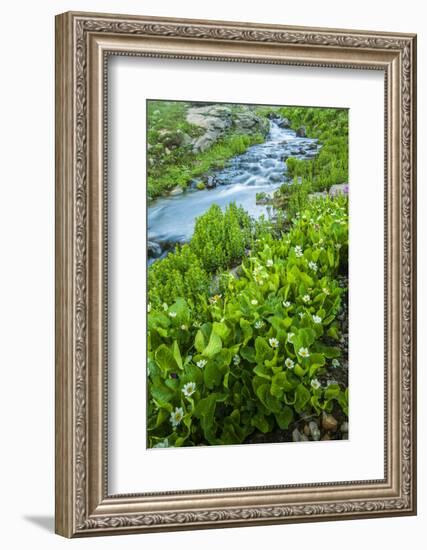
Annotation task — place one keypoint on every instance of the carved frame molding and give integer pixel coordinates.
(83, 42)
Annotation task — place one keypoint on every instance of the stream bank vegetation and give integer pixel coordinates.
(248, 321)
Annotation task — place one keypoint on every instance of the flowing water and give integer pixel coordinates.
(261, 169)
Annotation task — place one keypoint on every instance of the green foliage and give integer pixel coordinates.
(257, 358)
(181, 273)
(220, 238)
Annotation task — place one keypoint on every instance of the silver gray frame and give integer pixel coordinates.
(83, 43)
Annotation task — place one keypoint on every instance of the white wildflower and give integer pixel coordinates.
(188, 389)
(306, 298)
(254, 302)
(317, 319)
(335, 363)
(149, 307)
(304, 353)
(202, 363)
(315, 384)
(274, 342)
(172, 314)
(289, 363)
(325, 291)
(184, 327)
(285, 303)
(236, 359)
(165, 306)
(259, 324)
(290, 337)
(269, 263)
(298, 251)
(176, 416)
(313, 266)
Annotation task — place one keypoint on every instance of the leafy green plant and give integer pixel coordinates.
(181, 273)
(220, 238)
(255, 357)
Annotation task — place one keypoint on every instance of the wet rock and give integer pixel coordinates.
(339, 189)
(300, 132)
(344, 427)
(284, 123)
(263, 198)
(314, 430)
(154, 249)
(211, 182)
(329, 423)
(306, 430)
(176, 191)
(326, 437)
(296, 435)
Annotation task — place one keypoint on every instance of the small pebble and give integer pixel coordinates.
(344, 427)
(314, 430)
(296, 435)
(329, 422)
(306, 430)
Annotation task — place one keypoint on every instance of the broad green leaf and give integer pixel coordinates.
(302, 397)
(262, 350)
(221, 329)
(284, 417)
(214, 345)
(199, 342)
(177, 354)
(248, 353)
(278, 384)
(247, 331)
(165, 359)
(260, 422)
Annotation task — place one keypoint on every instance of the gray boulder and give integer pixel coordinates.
(339, 189)
(176, 191)
(300, 132)
(284, 123)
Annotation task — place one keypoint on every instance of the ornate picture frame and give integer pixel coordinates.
(84, 42)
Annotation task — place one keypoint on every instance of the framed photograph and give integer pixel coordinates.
(235, 274)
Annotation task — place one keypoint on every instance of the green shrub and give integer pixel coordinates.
(220, 238)
(181, 273)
